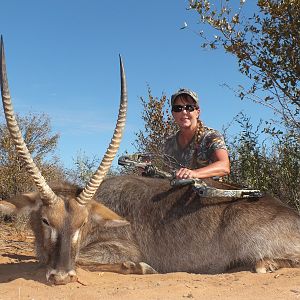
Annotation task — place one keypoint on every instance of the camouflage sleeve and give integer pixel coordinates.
(166, 148)
(214, 141)
(169, 145)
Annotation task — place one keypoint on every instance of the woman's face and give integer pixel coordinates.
(184, 118)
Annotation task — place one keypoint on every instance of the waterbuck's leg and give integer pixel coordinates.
(127, 267)
(114, 255)
(270, 265)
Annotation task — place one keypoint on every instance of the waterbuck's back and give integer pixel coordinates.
(178, 231)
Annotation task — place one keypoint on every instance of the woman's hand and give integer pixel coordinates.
(184, 173)
(219, 167)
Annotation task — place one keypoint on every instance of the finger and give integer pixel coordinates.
(184, 173)
(180, 172)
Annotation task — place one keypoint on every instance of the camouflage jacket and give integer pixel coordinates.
(195, 155)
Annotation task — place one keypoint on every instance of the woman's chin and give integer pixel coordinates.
(185, 125)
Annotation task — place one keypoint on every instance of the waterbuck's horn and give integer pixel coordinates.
(90, 189)
(47, 195)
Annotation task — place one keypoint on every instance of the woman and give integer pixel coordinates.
(200, 149)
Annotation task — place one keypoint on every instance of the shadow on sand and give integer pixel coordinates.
(25, 268)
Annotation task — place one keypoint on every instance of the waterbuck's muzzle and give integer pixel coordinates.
(61, 277)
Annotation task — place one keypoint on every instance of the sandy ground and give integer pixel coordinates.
(22, 278)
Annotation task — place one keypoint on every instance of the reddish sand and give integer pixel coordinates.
(21, 278)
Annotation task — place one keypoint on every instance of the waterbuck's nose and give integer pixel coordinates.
(61, 277)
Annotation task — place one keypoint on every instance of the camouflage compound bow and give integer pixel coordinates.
(144, 161)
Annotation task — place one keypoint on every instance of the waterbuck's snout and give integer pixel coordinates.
(61, 277)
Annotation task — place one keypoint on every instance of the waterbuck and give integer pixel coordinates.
(142, 225)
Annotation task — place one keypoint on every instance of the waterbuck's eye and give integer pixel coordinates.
(45, 221)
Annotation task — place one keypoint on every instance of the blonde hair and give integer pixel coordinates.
(198, 136)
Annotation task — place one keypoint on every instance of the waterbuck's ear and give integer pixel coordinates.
(105, 216)
(7, 208)
(28, 201)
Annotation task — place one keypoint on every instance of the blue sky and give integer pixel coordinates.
(62, 59)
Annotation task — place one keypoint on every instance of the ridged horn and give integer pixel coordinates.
(47, 195)
(95, 181)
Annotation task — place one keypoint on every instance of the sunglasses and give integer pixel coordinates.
(187, 107)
